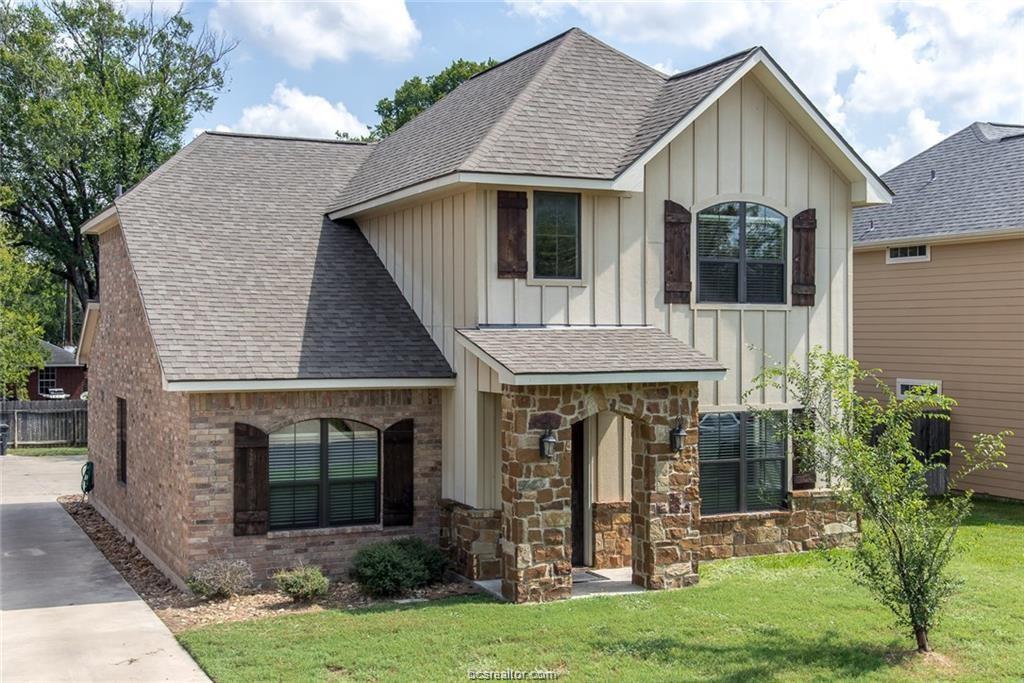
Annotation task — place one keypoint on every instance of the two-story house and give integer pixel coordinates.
(523, 325)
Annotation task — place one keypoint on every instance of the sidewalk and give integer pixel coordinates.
(65, 612)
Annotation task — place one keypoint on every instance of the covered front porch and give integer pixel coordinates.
(557, 385)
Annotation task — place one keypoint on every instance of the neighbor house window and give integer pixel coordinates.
(742, 462)
(741, 254)
(911, 254)
(122, 441)
(556, 235)
(324, 473)
(47, 380)
(905, 386)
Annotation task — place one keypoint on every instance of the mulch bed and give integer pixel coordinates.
(182, 611)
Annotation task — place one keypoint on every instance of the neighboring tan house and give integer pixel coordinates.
(939, 287)
(61, 372)
(505, 326)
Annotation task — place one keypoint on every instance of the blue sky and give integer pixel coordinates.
(895, 78)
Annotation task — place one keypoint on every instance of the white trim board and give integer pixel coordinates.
(243, 385)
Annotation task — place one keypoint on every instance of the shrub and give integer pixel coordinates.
(430, 556)
(221, 579)
(393, 567)
(302, 583)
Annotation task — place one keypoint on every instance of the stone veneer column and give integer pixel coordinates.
(536, 506)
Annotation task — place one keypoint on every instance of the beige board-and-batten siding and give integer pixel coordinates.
(958, 318)
(744, 147)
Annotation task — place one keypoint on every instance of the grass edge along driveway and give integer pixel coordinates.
(787, 618)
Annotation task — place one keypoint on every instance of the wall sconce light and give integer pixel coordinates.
(675, 438)
(547, 444)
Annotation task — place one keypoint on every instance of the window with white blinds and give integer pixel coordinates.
(324, 473)
(741, 254)
(742, 462)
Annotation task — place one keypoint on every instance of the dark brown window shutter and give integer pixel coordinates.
(804, 225)
(511, 234)
(398, 474)
(252, 480)
(677, 253)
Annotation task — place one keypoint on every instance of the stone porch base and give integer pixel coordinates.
(814, 520)
(470, 537)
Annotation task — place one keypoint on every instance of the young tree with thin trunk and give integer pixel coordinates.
(863, 446)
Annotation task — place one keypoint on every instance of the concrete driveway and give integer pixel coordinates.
(65, 612)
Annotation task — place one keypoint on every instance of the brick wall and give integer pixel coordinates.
(470, 537)
(814, 520)
(151, 507)
(209, 512)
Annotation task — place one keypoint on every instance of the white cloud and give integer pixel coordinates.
(917, 134)
(958, 62)
(293, 112)
(666, 67)
(304, 32)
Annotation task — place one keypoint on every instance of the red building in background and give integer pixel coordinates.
(62, 371)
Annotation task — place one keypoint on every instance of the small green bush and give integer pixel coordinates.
(391, 568)
(221, 579)
(303, 583)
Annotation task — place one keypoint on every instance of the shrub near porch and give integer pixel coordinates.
(789, 617)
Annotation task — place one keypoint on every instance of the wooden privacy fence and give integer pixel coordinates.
(46, 423)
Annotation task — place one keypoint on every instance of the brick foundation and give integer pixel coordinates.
(470, 537)
(815, 520)
(613, 535)
(536, 510)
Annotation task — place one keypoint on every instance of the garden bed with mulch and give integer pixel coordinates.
(182, 611)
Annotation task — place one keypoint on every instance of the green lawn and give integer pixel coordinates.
(49, 450)
(777, 618)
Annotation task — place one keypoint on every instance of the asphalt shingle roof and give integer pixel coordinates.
(978, 186)
(566, 350)
(244, 278)
(57, 356)
(570, 107)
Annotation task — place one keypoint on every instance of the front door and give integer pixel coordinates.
(578, 498)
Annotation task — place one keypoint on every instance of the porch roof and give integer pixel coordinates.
(587, 355)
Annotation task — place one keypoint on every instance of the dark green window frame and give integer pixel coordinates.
(743, 261)
(727, 479)
(565, 264)
(324, 484)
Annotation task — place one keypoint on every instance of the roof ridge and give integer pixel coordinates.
(524, 52)
(160, 170)
(968, 127)
(292, 138)
(721, 60)
(501, 124)
(619, 52)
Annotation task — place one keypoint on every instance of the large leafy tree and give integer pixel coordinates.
(91, 100)
(864, 446)
(416, 94)
(20, 329)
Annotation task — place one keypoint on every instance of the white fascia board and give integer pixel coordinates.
(866, 191)
(101, 222)
(629, 183)
(242, 385)
(660, 376)
(504, 374)
(977, 236)
(85, 337)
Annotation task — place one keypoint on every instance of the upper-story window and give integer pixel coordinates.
(741, 254)
(556, 235)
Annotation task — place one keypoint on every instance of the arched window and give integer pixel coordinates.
(741, 254)
(324, 473)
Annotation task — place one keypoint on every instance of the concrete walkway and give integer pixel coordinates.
(65, 612)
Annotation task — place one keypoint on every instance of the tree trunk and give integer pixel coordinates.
(922, 640)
